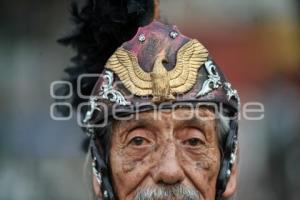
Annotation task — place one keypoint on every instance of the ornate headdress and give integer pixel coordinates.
(142, 63)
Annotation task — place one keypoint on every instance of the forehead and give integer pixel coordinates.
(201, 115)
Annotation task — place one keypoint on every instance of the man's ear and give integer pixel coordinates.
(96, 188)
(232, 182)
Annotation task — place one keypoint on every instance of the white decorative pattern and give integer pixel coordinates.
(89, 114)
(107, 91)
(96, 173)
(231, 92)
(212, 82)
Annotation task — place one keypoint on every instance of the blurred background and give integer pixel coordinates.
(257, 43)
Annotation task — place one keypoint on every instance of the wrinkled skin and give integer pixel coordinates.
(166, 151)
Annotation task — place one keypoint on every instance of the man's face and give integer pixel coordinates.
(171, 155)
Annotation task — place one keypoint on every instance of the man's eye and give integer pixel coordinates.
(138, 141)
(193, 142)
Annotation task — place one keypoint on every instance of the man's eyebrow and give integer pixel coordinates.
(129, 125)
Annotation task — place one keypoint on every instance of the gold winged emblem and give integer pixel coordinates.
(159, 83)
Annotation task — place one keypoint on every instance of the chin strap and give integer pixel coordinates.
(101, 172)
(229, 158)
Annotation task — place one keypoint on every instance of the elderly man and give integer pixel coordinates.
(161, 116)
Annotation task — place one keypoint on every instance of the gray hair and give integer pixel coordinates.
(223, 126)
(224, 123)
(178, 191)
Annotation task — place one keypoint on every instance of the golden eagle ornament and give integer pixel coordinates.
(159, 83)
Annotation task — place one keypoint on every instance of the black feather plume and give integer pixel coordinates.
(101, 26)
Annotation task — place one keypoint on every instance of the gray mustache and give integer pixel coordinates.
(173, 192)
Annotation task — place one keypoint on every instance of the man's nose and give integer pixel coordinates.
(168, 170)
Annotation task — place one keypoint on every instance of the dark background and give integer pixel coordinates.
(257, 44)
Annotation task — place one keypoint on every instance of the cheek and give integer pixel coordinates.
(202, 169)
(208, 161)
(130, 169)
(132, 161)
